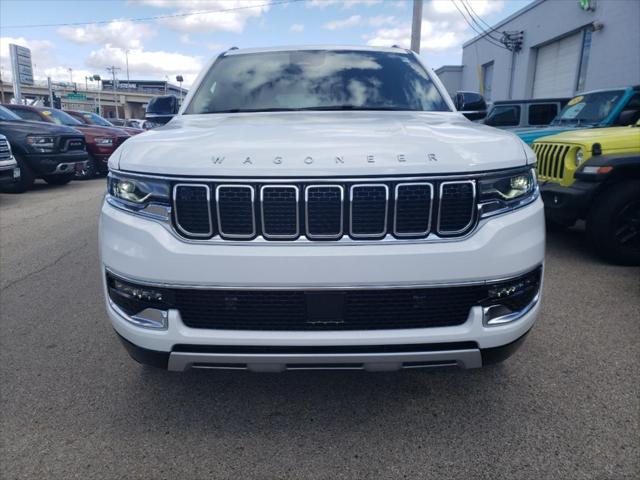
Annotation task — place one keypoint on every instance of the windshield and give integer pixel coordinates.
(589, 109)
(61, 118)
(316, 80)
(94, 119)
(6, 114)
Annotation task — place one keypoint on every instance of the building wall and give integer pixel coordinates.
(614, 59)
(451, 77)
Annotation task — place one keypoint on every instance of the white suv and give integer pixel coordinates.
(321, 207)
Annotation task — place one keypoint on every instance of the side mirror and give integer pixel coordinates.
(161, 109)
(471, 105)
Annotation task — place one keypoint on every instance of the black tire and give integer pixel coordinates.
(89, 171)
(613, 224)
(60, 179)
(26, 180)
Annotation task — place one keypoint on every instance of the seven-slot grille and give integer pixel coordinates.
(5, 154)
(551, 158)
(325, 211)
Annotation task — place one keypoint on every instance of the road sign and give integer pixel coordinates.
(75, 96)
(21, 62)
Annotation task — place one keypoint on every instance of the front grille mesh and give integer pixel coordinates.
(551, 158)
(4, 150)
(326, 211)
(357, 309)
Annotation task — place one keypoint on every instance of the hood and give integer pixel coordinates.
(593, 135)
(320, 144)
(37, 128)
(98, 130)
(529, 135)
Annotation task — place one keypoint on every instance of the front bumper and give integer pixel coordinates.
(8, 171)
(566, 205)
(56, 163)
(148, 252)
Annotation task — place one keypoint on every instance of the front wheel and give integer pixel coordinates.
(613, 224)
(61, 179)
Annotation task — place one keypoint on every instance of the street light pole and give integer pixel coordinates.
(416, 25)
(113, 69)
(98, 79)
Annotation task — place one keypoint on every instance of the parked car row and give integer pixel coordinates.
(55, 145)
(588, 163)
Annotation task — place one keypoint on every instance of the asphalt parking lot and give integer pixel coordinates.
(73, 405)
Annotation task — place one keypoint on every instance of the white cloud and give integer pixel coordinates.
(446, 29)
(186, 39)
(345, 3)
(212, 16)
(143, 63)
(356, 20)
(119, 33)
(352, 21)
(297, 27)
(381, 20)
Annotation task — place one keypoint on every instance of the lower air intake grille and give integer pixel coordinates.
(334, 310)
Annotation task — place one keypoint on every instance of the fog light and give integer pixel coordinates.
(140, 293)
(510, 300)
(140, 305)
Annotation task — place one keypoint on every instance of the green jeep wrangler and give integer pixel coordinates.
(594, 175)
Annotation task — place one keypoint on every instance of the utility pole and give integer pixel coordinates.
(112, 70)
(416, 26)
(50, 87)
(97, 78)
(126, 56)
(180, 79)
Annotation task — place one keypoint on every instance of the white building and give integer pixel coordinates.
(566, 46)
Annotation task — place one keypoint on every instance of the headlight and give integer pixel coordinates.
(579, 156)
(42, 144)
(507, 191)
(141, 195)
(104, 141)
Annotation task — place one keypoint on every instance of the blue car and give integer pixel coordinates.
(599, 108)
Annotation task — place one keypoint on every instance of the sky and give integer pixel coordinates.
(182, 41)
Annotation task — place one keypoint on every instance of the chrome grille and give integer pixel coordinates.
(5, 153)
(280, 218)
(414, 204)
(325, 211)
(369, 205)
(456, 207)
(551, 158)
(236, 215)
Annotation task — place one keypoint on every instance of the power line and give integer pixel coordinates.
(473, 19)
(482, 34)
(479, 17)
(154, 18)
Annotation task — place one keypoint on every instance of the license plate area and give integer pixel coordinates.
(325, 307)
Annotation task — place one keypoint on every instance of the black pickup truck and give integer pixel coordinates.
(42, 150)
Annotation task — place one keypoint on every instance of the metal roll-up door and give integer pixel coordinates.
(557, 68)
